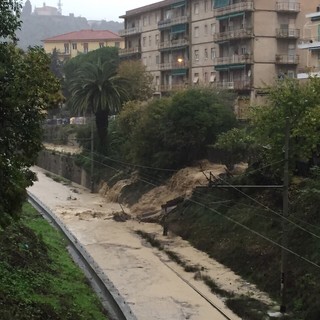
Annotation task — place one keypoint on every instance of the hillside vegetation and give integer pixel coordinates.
(38, 279)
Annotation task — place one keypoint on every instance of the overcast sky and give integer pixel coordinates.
(95, 9)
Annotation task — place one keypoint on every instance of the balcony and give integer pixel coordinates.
(234, 8)
(174, 65)
(311, 44)
(238, 85)
(286, 59)
(129, 51)
(173, 87)
(233, 35)
(130, 31)
(234, 59)
(286, 6)
(167, 23)
(173, 44)
(307, 73)
(288, 33)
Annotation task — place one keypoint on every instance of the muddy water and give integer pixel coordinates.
(147, 280)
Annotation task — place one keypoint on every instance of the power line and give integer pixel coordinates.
(231, 220)
(271, 210)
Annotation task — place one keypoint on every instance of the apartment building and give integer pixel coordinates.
(309, 44)
(70, 44)
(239, 45)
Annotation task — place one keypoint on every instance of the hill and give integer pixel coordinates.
(36, 28)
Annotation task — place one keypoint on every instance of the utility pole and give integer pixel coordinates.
(91, 156)
(285, 213)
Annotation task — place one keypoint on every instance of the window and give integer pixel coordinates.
(150, 41)
(144, 40)
(117, 44)
(196, 8)
(157, 59)
(213, 28)
(212, 5)
(205, 5)
(212, 77)
(101, 45)
(85, 47)
(168, 14)
(291, 74)
(157, 39)
(196, 32)
(205, 29)
(145, 19)
(66, 48)
(74, 46)
(206, 53)
(213, 53)
(206, 77)
(243, 50)
(196, 78)
(196, 55)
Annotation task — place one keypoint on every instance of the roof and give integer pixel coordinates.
(149, 7)
(85, 35)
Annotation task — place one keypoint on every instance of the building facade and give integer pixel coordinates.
(70, 44)
(309, 44)
(240, 45)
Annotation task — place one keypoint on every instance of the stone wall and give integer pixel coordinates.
(63, 165)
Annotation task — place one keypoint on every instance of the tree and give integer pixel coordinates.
(173, 132)
(9, 19)
(97, 89)
(300, 103)
(139, 79)
(27, 89)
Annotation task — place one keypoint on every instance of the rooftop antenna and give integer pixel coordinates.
(60, 7)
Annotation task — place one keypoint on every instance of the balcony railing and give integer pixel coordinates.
(162, 24)
(237, 7)
(311, 43)
(173, 44)
(130, 31)
(173, 87)
(306, 73)
(234, 85)
(288, 33)
(129, 51)
(286, 59)
(286, 6)
(233, 35)
(174, 65)
(235, 59)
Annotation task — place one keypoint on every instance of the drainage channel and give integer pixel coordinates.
(115, 306)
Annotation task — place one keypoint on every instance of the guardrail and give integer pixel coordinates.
(114, 304)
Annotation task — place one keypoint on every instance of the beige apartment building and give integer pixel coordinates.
(240, 45)
(309, 43)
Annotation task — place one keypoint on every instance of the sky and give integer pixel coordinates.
(95, 9)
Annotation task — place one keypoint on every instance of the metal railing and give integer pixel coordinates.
(234, 85)
(173, 44)
(174, 87)
(286, 59)
(234, 59)
(129, 51)
(234, 34)
(288, 6)
(172, 21)
(130, 31)
(288, 33)
(237, 7)
(173, 65)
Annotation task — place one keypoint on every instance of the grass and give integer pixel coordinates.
(57, 178)
(38, 278)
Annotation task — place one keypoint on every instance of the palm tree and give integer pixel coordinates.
(96, 89)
